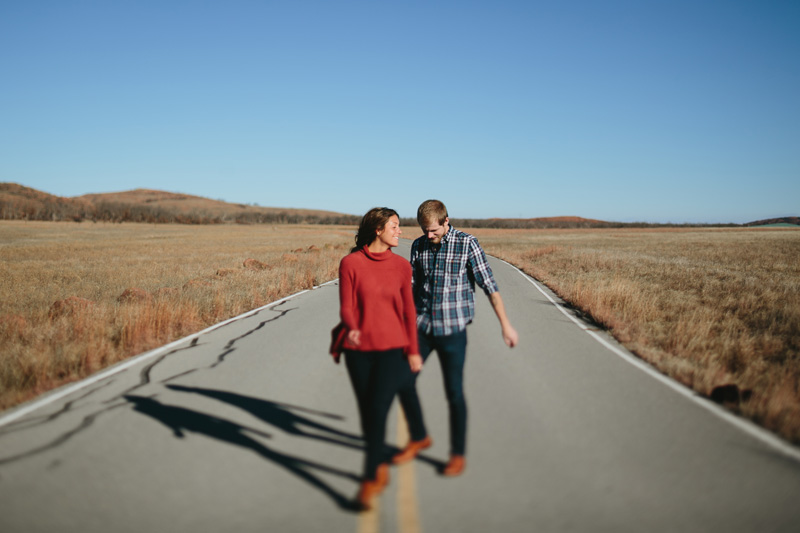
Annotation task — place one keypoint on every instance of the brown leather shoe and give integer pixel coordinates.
(366, 494)
(411, 450)
(456, 466)
(371, 488)
(382, 475)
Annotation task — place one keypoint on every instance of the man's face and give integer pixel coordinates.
(434, 231)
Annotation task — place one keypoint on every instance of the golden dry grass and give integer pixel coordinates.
(62, 310)
(708, 307)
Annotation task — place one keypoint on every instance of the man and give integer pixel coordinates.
(446, 265)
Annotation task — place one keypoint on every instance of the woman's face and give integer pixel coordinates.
(390, 234)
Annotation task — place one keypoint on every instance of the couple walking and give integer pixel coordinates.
(394, 313)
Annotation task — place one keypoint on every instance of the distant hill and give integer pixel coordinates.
(18, 202)
(782, 221)
(185, 205)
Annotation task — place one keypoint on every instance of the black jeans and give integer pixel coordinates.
(452, 351)
(376, 377)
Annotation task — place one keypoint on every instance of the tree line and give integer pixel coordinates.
(21, 203)
(122, 212)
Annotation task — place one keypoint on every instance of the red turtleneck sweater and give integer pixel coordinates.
(375, 297)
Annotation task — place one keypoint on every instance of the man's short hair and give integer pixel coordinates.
(431, 210)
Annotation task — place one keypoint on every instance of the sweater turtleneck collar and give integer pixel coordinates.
(382, 256)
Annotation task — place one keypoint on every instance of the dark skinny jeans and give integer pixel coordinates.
(452, 351)
(376, 377)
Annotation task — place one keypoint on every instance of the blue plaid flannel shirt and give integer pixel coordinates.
(444, 281)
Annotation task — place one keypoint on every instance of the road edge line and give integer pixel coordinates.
(46, 398)
(751, 428)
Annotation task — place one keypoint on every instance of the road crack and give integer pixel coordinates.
(145, 378)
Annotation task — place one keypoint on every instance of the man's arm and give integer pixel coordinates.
(479, 267)
(482, 273)
(510, 335)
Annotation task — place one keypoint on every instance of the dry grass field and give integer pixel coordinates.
(716, 309)
(78, 297)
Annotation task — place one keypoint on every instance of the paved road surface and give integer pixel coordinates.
(250, 427)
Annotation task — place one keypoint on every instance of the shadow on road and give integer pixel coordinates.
(281, 415)
(181, 419)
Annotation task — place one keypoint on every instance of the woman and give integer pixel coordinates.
(380, 344)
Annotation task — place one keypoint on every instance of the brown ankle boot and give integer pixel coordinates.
(382, 475)
(411, 450)
(368, 491)
(455, 466)
(371, 488)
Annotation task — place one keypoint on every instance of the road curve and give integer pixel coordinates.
(248, 426)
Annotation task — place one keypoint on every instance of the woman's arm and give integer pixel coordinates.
(410, 322)
(347, 301)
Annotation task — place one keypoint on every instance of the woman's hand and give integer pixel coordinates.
(415, 362)
(354, 337)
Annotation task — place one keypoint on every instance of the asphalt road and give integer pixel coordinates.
(249, 426)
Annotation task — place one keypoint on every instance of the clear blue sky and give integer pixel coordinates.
(657, 111)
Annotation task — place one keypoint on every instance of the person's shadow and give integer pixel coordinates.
(283, 416)
(181, 420)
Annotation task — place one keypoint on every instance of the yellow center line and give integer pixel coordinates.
(369, 521)
(407, 508)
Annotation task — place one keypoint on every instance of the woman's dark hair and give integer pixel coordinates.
(375, 219)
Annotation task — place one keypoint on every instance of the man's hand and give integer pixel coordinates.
(510, 336)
